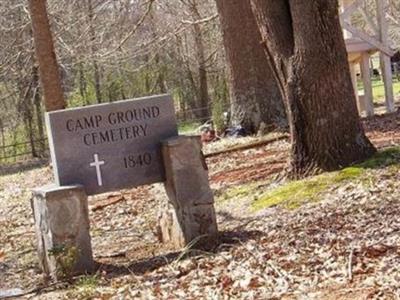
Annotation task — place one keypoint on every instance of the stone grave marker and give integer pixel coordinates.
(111, 146)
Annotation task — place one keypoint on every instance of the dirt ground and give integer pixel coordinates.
(345, 246)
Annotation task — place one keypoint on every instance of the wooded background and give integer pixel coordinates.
(110, 50)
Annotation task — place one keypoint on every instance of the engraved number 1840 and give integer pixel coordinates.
(132, 161)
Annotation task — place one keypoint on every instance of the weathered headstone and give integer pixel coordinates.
(111, 146)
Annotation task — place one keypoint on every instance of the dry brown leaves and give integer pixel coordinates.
(345, 247)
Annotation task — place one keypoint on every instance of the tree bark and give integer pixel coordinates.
(46, 57)
(304, 42)
(254, 93)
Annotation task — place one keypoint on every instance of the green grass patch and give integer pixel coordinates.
(294, 194)
(88, 282)
(84, 288)
(188, 127)
(378, 89)
(237, 192)
(384, 158)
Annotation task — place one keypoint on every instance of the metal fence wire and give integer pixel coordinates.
(23, 150)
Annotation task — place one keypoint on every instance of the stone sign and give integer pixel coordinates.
(111, 146)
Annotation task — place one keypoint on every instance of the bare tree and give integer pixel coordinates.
(203, 95)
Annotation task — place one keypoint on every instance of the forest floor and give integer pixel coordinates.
(332, 236)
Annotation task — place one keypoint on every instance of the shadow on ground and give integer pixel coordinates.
(227, 239)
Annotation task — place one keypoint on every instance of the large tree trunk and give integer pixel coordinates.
(304, 42)
(46, 57)
(254, 93)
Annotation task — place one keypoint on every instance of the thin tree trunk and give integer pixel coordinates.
(97, 83)
(122, 91)
(254, 93)
(182, 104)
(147, 82)
(26, 108)
(204, 98)
(96, 69)
(194, 99)
(31, 134)
(304, 42)
(121, 85)
(121, 82)
(15, 140)
(160, 76)
(82, 84)
(46, 57)
(184, 101)
(38, 110)
(3, 139)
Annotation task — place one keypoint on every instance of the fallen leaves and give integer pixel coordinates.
(376, 251)
(275, 254)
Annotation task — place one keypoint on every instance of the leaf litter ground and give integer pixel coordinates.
(343, 245)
